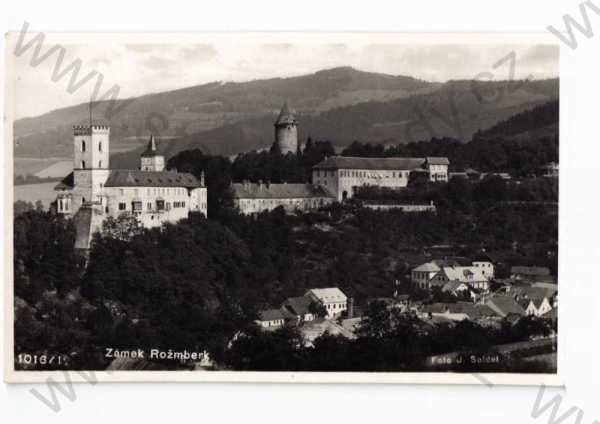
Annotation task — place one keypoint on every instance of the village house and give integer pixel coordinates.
(531, 274)
(537, 307)
(342, 175)
(333, 300)
(94, 191)
(440, 273)
(299, 307)
(271, 318)
(504, 306)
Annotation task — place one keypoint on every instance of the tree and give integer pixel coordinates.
(124, 227)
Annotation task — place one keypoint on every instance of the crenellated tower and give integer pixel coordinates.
(91, 145)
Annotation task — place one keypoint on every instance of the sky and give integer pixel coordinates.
(139, 69)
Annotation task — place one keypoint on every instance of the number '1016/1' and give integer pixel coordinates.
(29, 359)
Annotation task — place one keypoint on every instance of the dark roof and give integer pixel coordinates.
(277, 191)
(137, 178)
(285, 116)
(347, 162)
(530, 270)
(150, 148)
(66, 183)
(437, 160)
(270, 315)
(505, 305)
(298, 305)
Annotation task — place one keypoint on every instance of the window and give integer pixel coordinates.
(82, 164)
(136, 206)
(160, 205)
(99, 164)
(121, 191)
(83, 145)
(122, 206)
(149, 206)
(100, 146)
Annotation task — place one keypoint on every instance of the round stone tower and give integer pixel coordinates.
(286, 131)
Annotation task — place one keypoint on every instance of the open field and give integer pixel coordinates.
(34, 192)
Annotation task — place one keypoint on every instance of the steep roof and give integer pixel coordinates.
(532, 292)
(285, 116)
(66, 183)
(428, 267)
(504, 305)
(298, 305)
(464, 274)
(330, 294)
(530, 270)
(270, 315)
(137, 178)
(276, 191)
(452, 285)
(348, 162)
(150, 148)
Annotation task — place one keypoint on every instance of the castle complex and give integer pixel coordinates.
(93, 191)
(336, 178)
(342, 176)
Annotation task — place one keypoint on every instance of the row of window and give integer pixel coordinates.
(154, 191)
(160, 205)
(63, 205)
(335, 306)
(367, 174)
(361, 174)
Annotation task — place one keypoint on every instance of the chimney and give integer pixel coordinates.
(350, 307)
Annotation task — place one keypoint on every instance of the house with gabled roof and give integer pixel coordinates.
(332, 298)
(440, 273)
(504, 306)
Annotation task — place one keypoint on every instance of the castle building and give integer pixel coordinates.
(286, 132)
(252, 198)
(152, 194)
(342, 175)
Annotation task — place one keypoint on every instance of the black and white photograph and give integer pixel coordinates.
(364, 207)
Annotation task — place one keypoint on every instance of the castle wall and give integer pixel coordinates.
(341, 183)
(255, 205)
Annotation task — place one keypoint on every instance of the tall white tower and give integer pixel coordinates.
(91, 145)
